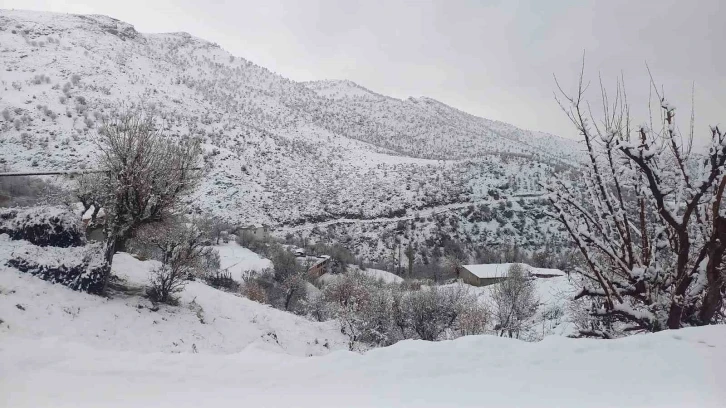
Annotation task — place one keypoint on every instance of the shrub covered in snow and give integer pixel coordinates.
(183, 253)
(79, 268)
(430, 313)
(43, 226)
(373, 313)
(514, 302)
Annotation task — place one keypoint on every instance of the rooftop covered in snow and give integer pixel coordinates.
(501, 270)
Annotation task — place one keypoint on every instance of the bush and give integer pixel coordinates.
(221, 280)
(427, 313)
(514, 301)
(250, 241)
(380, 314)
(252, 290)
(348, 298)
(183, 256)
(289, 276)
(472, 319)
(79, 268)
(43, 226)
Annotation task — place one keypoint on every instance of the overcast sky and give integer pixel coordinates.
(495, 59)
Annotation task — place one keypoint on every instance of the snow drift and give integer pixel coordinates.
(667, 369)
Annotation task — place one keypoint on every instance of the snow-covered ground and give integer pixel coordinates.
(63, 348)
(240, 261)
(668, 369)
(553, 316)
(206, 321)
(377, 274)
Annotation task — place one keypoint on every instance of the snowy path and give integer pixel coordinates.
(668, 369)
(420, 213)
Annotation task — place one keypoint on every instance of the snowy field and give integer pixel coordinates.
(668, 369)
(60, 348)
(239, 261)
(377, 274)
(207, 320)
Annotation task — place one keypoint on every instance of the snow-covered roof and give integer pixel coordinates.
(254, 226)
(501, 270)
(489, 270)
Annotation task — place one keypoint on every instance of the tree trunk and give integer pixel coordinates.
(288, 299)
(712, 300)
(675, 314)
(109, 250)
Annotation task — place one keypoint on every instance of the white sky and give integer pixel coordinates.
(495, 59)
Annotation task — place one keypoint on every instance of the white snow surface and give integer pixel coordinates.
(62, 348)
(501, 270)
(667, 369)
(240, 261)
(377, 274)
(207, 320)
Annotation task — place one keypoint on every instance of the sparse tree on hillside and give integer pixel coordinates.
(514, 301)
(430, 312)
(646, 216)
(289, 275)
(183, 254)
(145, 174)
(215, 228)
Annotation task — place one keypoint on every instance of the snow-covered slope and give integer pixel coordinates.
(206, 321)
(668, 369)
(280, 152)
(239, 261)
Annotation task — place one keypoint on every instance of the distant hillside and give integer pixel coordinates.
(280, 152)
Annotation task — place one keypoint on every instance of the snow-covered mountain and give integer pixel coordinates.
(287, 153)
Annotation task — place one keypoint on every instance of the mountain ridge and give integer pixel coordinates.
(278, 151)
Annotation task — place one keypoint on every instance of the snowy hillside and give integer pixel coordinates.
(281, 152)
(667, 369)
(206, 321)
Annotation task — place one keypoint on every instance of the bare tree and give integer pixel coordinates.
(430, 312)
(215, 228)
(646, 216)
(183, 254)
(89, 188)
(514, 301)
(289, 275)
(347, 298)
(145, 174)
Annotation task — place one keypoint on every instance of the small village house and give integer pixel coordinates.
(489, 274)
(259, 231)
(319, 266)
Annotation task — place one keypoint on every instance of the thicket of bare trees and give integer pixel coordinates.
(373, 313)
(184, 255)
(646, 215)
(144, 175)
(514, 302)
